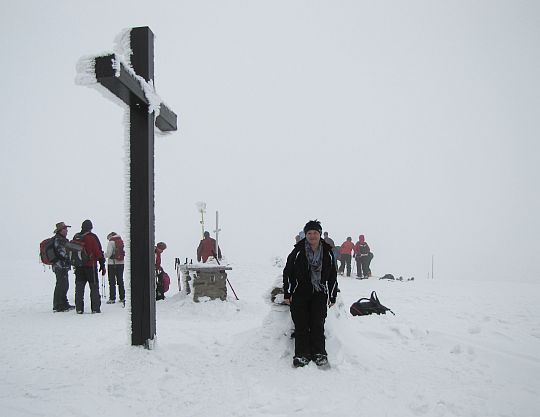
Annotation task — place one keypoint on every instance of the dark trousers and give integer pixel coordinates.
(362, 265)
(84, 274)
(116, 276)
(345, 261)
(309, 313)
(61, 288)
(160, 293)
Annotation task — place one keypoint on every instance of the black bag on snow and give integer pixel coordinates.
(367, 306)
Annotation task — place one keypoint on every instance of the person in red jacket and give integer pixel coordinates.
(160, 292)
(207, 248)
(345, 256)
(363, 256)
(88, 272)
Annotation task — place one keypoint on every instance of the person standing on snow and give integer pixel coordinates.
(335, 249)
(309, 287)
(329, 240)
(345, 256)
(207, 248)
(60, 269)
(88, 273)
(160, 292)
(363, 256)
(115, 262)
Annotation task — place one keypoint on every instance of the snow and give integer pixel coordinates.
(454, 348)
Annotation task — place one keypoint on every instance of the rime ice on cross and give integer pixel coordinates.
(117, 78)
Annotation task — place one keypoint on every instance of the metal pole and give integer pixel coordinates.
(217, 233)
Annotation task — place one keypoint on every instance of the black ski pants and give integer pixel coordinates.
(83, 275)
(160, 293)
(61, 288)
(116, 277)
(345, 261)
(308, 314)
(362, 265)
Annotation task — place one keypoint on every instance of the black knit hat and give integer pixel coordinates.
(313, 225)
(86, 226)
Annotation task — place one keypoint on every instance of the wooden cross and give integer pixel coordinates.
(115, 77)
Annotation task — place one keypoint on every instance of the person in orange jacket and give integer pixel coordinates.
(345, 251)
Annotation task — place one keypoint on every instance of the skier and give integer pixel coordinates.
(309, 286)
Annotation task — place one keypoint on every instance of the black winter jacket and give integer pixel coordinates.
(297, 277)
(62, 261)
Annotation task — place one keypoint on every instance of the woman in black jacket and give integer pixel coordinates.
(309, 286)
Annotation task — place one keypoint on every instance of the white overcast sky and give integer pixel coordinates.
(415, 123)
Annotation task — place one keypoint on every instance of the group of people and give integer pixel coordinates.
(111, 261)
(114, 254)
(348, 250)
(310, 286)
(85, 273)
(359, 251)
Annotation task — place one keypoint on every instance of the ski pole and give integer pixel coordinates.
(228, 282)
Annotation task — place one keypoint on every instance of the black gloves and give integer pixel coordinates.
(102, 266)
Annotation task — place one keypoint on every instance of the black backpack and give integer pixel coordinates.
(76, 251)
(367, 306)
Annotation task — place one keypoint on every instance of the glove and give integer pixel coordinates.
(102, 267)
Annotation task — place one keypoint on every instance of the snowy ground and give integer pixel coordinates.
(454, 348)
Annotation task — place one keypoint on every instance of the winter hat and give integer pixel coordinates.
(60, 226)
(86, 226)
(111, 235)
(313, 225)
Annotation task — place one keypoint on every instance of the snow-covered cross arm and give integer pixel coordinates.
(119, 80)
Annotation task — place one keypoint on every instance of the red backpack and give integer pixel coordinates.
(47, 253)
(166, 280)
(118, 252)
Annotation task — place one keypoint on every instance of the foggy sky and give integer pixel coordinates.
(413, 123)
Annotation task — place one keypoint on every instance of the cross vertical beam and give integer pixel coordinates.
(142, 222)
(114, 75)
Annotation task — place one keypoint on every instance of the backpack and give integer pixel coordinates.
(363, 249)
(76, 252)
(366, 306)
(166, 282)
(47, 252)
(118, 250)
(388, 276)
